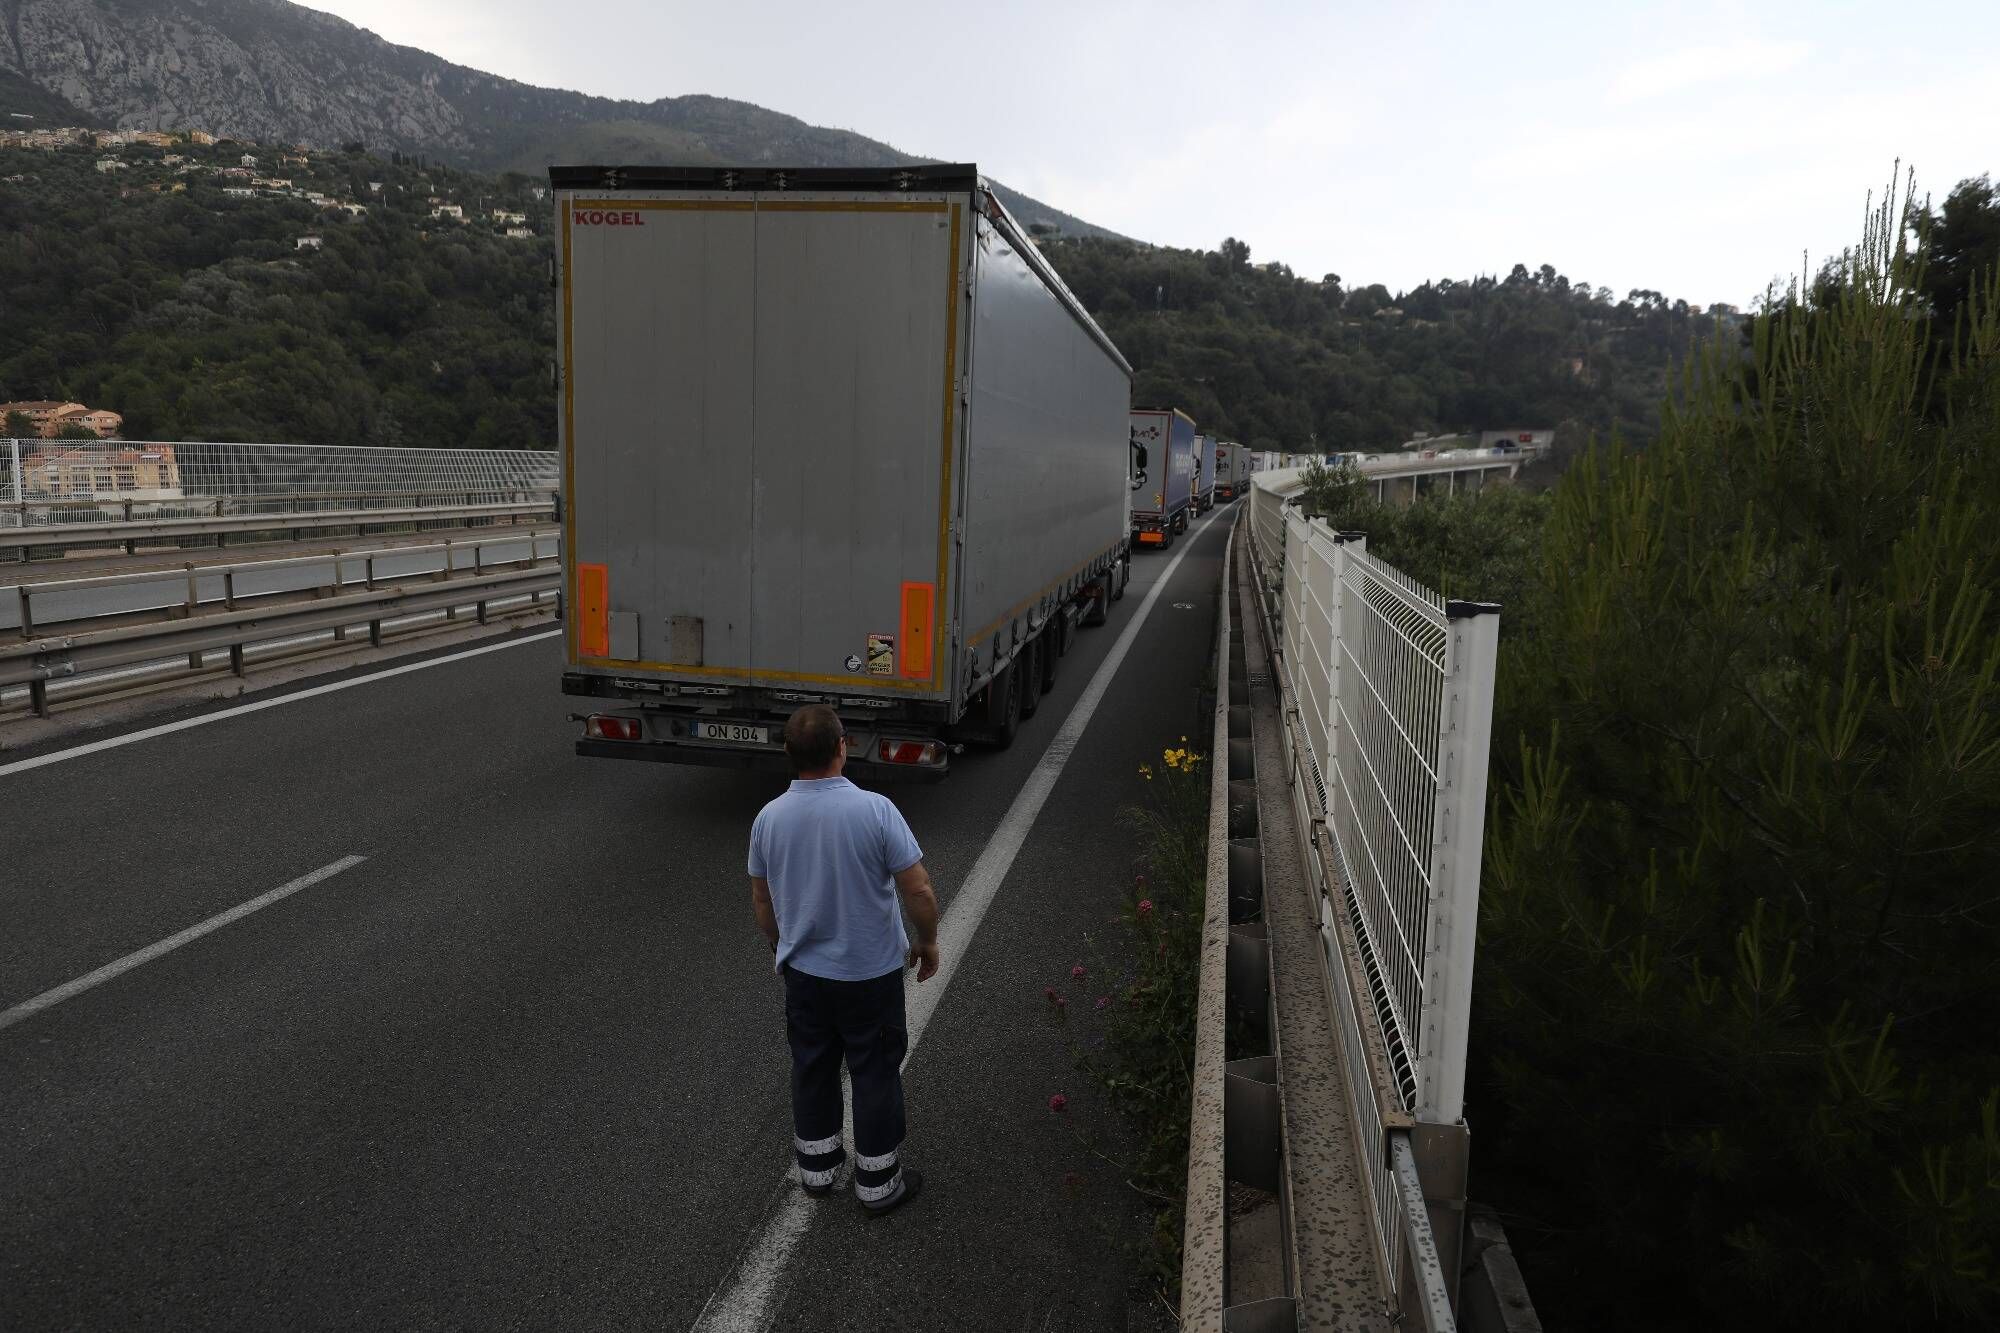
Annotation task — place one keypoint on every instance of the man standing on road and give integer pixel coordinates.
(829, 864)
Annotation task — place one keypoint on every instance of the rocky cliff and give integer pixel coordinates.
(277, 72)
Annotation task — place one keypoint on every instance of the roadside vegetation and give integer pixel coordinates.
(1132, 1006)
(1733, 1063)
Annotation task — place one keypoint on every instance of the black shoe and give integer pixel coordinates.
(913, 1185)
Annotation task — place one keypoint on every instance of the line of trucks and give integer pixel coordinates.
(838, 436)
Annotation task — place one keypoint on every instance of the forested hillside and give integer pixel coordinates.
(195, 313)
(1263, 355)
(177, 294)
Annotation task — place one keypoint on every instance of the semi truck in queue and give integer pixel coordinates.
(810, 423)
(1161, 509)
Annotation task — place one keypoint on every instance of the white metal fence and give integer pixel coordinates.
(71, 481)
(1393, 688)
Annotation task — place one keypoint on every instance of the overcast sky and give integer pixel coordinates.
(1697, 149)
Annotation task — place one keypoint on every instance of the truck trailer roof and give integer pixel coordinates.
(935, 176)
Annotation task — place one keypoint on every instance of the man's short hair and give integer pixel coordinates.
(812, 737)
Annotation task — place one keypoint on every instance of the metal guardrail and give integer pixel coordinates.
(105, 649)
(1387, 693)
(126, 533)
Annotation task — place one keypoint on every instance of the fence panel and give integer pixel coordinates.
(1392, 685)
(91, 481)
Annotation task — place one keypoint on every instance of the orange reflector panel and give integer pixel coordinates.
(919, 625)
(1151, 538)
(593, 610)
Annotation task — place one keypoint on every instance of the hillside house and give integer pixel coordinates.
(48, 417)
(201, 137)
(520, 233)
(453, 211)
(108, 164)
(247, 160)
(239, 192)
(172, 160)
(374, 187)
(501, 215)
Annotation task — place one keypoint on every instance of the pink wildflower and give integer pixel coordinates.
(1058, 1103)
(1145, 907)
(1104, 1002)
(1076, 973)
(1049, 994)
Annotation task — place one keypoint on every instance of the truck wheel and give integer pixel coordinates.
(1050, 650)
(1003, 706)
(1121, 574)
(1029, 667)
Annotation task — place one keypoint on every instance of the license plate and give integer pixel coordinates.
(732, 731)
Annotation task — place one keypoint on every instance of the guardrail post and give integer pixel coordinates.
(193, 603)
(38, 696)
(27, 615)
(339, 586)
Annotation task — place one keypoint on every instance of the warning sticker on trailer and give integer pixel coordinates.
(881, 654)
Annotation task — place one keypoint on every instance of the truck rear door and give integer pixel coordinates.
(760, 434)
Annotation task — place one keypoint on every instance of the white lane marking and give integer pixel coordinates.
(748, 1300)
(49, 998)
(130, 738)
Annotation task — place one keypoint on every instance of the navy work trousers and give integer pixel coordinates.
(862, 1022)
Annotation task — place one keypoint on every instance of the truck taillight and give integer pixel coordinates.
(908, 752)
(603, 727)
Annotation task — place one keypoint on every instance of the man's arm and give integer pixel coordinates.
(913, 886)
(767, 916)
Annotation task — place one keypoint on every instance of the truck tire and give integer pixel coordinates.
(1003, 706)
(1121, 574)
(1028, 666)
(1051, 649)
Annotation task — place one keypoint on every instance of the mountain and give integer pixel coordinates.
(282, 73)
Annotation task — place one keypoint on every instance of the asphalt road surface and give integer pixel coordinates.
(523, 1066)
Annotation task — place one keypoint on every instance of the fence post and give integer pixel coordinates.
(1465, 735)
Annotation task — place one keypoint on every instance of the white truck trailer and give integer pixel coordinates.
(1161, 507)
(1232, 471)
(1204, 473)
(830, 436)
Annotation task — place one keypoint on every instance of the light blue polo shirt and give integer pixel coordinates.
(831, 852)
